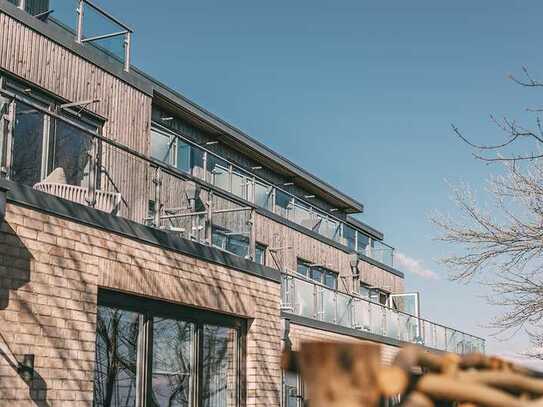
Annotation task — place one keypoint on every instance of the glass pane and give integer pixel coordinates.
(238, 185)
(260, 254)
(328, 298)
(238, 245)
(218, 172)
(219, 367)
(344, 314)
(117, 334)
(301, 214)
(183, 156)
(70, 151)
(291, 389)
(218, 238)
(27, 145)
(262, 195)
(330, 280)
(363, 242)
(197, 162)
(303, 269)
(282, 203)
(316, 274)
(305, 298)
(349, 237)
(172, 369)
(161, 148)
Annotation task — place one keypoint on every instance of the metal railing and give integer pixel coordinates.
(224, 174)
(89, 22)
(311, 299)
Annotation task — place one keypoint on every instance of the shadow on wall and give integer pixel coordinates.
(15, 266)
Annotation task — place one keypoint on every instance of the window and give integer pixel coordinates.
(41, 144)
(189, 358)
(292, 386)
(317, 273)
(236, 243)
(260, 254)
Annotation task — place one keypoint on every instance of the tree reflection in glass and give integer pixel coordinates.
(172, 372)
(219, 367)
(117, 334)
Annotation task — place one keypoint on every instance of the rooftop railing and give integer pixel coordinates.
(173, 148)
(87, 21)
(313, 300)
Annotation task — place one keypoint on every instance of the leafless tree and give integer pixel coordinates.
(502, 243)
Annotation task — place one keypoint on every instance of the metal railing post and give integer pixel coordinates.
(127, 43)
(158, 199)
(209, 219)
(93, 174)
(252, 235)
(79, 10)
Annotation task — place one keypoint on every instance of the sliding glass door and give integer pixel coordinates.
(154, 354)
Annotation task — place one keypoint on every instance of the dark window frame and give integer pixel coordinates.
(151, 308)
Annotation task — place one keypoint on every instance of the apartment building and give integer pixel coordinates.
(152, 254)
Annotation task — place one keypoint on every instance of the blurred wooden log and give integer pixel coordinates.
(341, 375)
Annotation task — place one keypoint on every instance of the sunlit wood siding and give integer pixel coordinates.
(46, 64)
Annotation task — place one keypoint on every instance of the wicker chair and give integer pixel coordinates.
(105, 201)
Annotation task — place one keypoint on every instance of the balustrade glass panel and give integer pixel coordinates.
(301, 214)
(27, 147)
(328, 305)
(117, 334)
(305, 298)
(344, 310)
(161, 146)
(349, 237)
(197, 162)
(173, 361)
(362, 243)
(262, 195)
(239, 184)
(183, 156)
(219, 367)
(282, 203)
(218, 173)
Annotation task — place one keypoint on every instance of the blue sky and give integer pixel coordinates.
(362, 94)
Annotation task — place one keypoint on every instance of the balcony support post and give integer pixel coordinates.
(209, 219)
(158, 199)
(79, 11)
(252, 236)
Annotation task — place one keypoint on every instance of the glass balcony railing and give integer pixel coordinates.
(172, 148)
(313, 300)
(87, 21)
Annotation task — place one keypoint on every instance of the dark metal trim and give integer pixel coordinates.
(3, 195)
(342, 330)
(43, 202)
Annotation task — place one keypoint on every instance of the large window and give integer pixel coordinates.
(40, 144)
(183, 357)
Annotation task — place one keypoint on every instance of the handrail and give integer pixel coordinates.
(180, 134)
(108, 15)
(356, 296)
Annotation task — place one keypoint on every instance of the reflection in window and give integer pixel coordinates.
(28, 136)
(70, 150)
(236, 243)
(117, 335)
(219, 372)
(173, 355)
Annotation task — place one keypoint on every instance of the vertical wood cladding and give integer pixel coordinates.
(294, 244)
(44, 63)
(51, 270)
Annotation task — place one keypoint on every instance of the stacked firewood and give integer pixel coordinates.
(351, 375)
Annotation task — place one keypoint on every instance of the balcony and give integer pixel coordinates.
(89, 24)
(169, 146)
(313, 300)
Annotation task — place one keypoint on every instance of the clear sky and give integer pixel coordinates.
(361, 94)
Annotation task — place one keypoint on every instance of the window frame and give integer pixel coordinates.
(323, 270)
(264, 250)
(150, 308)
